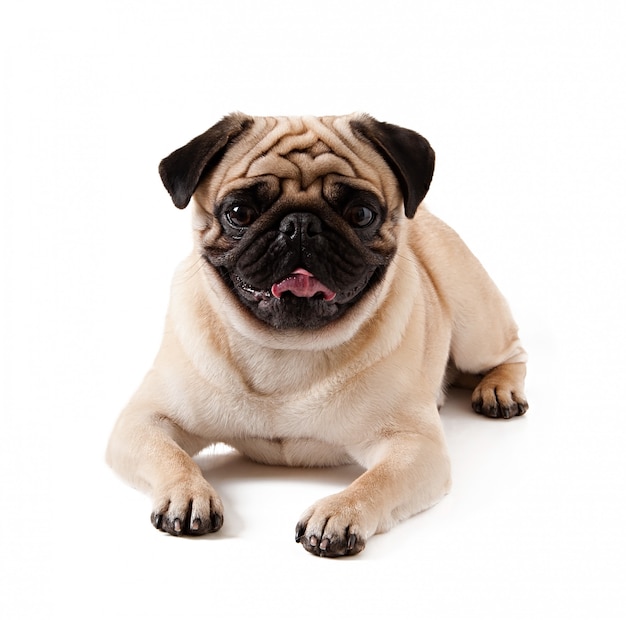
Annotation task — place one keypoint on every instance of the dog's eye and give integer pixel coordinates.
(241, 215)
(359, 216)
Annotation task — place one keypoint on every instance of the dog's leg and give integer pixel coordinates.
(493, 352)
(407, 473)
(153, 453)
(485, 343)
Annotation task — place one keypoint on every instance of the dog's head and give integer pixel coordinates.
(299, 218)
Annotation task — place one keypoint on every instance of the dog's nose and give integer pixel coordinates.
(301, 225)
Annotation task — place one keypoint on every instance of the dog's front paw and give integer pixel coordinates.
(190, 508)
(500, 393)
(496, 405)
(498, 399)
(333, 527)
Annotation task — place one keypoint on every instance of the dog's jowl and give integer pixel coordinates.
(313, 324)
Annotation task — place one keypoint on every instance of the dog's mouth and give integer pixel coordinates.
(299, 300)
(302, 283)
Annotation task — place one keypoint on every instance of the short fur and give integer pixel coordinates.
(352, 373)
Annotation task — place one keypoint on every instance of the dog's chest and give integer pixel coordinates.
(285, 373)
(244, 412)
(286, 394)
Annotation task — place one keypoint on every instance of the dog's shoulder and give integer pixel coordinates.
(454, 271)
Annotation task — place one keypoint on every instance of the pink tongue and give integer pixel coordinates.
(302, 283)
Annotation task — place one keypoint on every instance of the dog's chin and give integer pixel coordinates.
(291, 312)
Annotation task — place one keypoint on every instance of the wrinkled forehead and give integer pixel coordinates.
(304, 153)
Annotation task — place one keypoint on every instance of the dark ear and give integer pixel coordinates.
(182, 170)
(408, 154)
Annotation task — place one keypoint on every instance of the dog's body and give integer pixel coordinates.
(313, 325)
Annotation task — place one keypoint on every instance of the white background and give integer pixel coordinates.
(525, 105)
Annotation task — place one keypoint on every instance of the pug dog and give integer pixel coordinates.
(315, 323)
